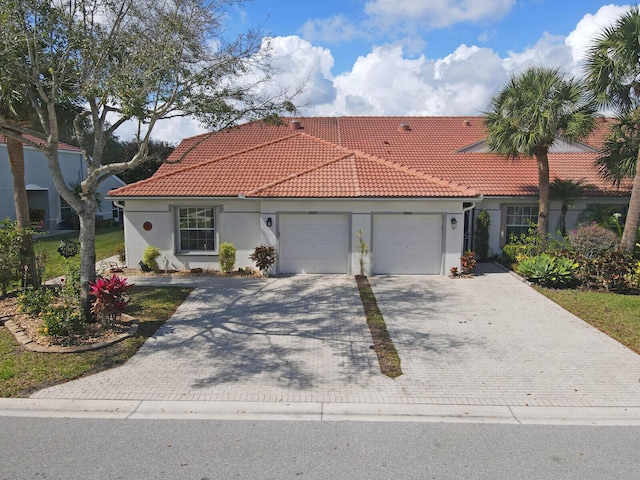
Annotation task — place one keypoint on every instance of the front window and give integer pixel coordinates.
(66, 212)
(520, 219)
(115, 212)
(197, 229)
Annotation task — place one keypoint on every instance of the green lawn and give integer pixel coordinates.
(23, 372)
(616, 315)
(107, 241)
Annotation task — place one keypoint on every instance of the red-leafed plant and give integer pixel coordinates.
(468, 262)
(110, 298)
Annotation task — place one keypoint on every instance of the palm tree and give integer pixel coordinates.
(613, 77)
(567, 191)
(531, 111)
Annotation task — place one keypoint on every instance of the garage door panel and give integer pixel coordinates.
(407, 244)
(313, 243)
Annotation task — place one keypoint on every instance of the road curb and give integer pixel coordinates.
(330, 412)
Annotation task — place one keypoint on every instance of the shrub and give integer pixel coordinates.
(150, 258)
(468, 262)
(591, 240)
(511, 252)
(37, 216)
(10, 254)
(227, 256)
(634, 278)
(265, 257)
(35, 300)
(482, 233)
(70, 283)
(611, 270)
(61, 320)
(363, 251)
(68, 248)
(548, 270)
(110, 298)
(121, 252)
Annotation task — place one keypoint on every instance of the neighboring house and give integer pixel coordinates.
(41, 192)
(413, 185)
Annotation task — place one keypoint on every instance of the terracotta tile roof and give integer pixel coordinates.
(348, 157)
(62, 146)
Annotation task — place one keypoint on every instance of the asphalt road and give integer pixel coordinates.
(39, 448)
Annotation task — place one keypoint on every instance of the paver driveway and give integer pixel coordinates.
(286, 339)
(489, 340)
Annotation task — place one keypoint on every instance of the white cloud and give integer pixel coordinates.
(548, 51)
(589, 27)
(435, 13)
(301, 63)
(330, 30)
(389, 80)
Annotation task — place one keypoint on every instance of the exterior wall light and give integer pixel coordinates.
(269, 222)
(454, 223)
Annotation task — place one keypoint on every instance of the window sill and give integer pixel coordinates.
(197, 254)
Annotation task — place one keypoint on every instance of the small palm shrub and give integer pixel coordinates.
(227, 256)
(548, 270)
(150, 258)
(264, 257)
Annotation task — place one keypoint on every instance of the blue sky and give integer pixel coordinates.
(512, 26)
(413, 57)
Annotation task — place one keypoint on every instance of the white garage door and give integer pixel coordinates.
(313, 243)
(407, 244)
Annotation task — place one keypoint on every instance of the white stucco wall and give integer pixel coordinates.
(243, 222)
(495, 208)
(238, 223)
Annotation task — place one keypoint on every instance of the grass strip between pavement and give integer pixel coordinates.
(385, 349)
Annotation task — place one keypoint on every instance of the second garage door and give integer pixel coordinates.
(313, 243)
(407, 244)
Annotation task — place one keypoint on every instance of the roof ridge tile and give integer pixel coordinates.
(297, 174)
(420, 174)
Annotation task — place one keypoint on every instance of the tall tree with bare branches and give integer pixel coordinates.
(139, 61)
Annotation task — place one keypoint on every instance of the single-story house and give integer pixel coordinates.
(412, 187)
(41, 191)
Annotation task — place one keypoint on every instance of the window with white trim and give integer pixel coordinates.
(115, 212)
(66, 212)
(197, 229)
(519, 219)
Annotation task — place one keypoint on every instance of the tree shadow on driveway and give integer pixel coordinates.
(293, 332)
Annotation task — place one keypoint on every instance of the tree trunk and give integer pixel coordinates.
(15, 152)
(628, 241)
(543, 190)
(87, 253)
